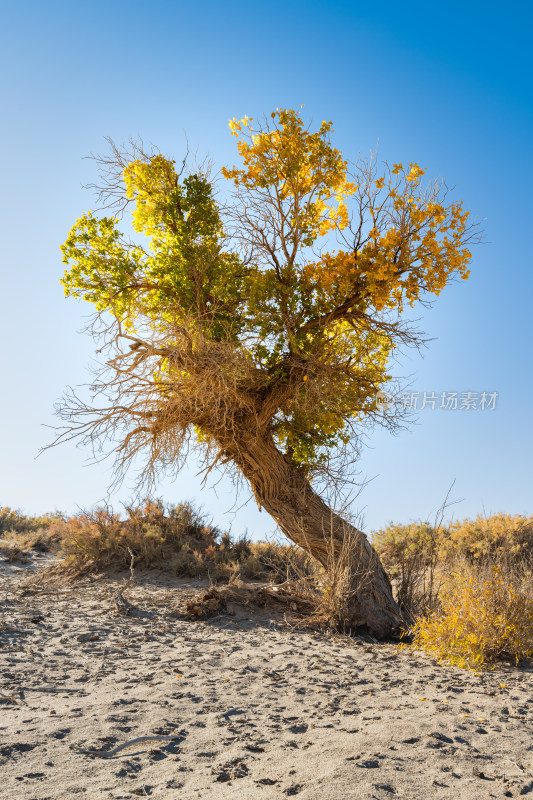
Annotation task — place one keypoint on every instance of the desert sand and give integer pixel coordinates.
(252, 705)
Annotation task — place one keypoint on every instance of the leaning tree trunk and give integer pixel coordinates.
(282, 490)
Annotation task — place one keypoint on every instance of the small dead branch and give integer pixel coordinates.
(205, 605)
(109, 753)
(51, 689)
(47, 580)
(123, 606)
(216, 599)
(87, 637)
(515, 764)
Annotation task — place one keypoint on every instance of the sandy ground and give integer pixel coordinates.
(257, 708)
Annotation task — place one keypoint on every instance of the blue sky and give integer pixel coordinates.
(449, 87)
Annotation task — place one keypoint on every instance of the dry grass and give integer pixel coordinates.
(338, 581)
(18, 546)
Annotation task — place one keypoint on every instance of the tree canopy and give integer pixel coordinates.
(282, 301)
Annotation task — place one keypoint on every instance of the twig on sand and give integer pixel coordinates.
(109, 753)
(5, 698)
(52, 689)
(31, 586)
(515, 764)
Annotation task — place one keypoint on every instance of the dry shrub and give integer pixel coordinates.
(410, 554)
(18, 546)
(9, 519)
(278, 562)
(504, 537)
(418, 556)
(13, 549)
(485, 616)
(13, 521)
(19, 534)
(177, 538)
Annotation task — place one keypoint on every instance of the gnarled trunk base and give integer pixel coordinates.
(285, 493)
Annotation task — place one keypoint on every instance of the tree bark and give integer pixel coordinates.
(286, 494)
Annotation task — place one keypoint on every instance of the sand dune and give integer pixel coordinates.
(253, 706)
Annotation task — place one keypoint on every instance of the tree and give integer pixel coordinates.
(259, 330)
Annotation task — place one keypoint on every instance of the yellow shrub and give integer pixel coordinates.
(9, 519)
(13, 521)
(486, 615)
(502, 536)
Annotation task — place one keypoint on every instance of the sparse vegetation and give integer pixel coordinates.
(178, 538)
(20, 534)
(467, 587)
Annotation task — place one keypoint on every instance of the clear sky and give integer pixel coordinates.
(447, 85)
